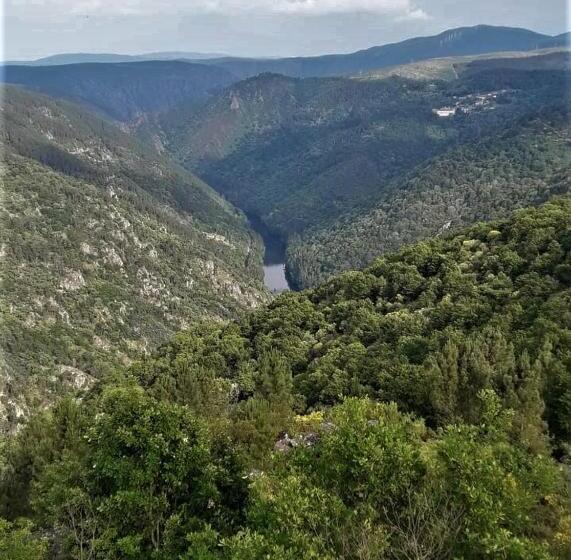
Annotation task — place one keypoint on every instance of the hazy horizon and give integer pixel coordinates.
(268, 28)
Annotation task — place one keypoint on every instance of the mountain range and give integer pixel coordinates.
(408, 397)
(125, 91)
(337, 169)
(305, 154)
(461, 41)
(80, 58)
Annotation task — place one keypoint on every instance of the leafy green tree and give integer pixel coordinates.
(148, 473)
(377, 485)
(17, 542)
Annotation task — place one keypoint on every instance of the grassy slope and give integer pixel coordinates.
(451, 68)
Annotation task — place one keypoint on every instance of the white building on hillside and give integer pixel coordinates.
(445, 111)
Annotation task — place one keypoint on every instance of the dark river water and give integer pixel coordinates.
(274, 256)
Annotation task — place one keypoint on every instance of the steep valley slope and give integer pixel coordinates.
(525, 164)
(107, 249)
(123, 91)
(419, 408)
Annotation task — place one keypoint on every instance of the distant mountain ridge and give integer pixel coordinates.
(123, 91)
(79, 58)
(480, 39)
(452, 67)
(126, 91)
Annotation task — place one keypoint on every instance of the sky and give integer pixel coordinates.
(36, 28)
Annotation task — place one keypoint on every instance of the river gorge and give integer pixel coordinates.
(275, 277)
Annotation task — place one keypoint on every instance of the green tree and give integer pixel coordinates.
(17, 542)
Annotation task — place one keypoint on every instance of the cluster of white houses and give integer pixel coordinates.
(469, 103)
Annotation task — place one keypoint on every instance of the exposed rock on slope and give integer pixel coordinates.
(107, 249)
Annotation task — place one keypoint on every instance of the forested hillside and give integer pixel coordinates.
(123, 91)
(297, 152)
(107, 249)
(410, 410)
(304, 154)
(527, 163)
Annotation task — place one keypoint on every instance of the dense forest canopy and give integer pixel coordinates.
(526, 163)
(122, 91)
(409, 410)
(413, 402)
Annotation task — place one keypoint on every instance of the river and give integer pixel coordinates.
(274, 256)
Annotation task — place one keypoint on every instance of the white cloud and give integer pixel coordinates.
(57, 8)
(415, 14)
(400, 7)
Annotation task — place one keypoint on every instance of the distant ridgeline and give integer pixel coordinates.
(408, 410)
(123, 91)
(127, 88)
(107, 249)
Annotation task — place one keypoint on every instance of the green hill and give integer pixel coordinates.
(123, 91)
(497, 290)
(451, 68)
(107, 250)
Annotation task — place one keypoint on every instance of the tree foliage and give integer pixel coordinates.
(417, 409)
